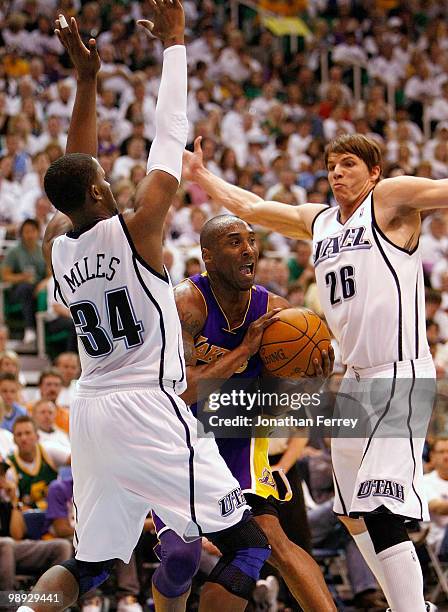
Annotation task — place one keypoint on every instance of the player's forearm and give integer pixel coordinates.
(237, 200)
(82, 133)
(204, 379)
(171, 114)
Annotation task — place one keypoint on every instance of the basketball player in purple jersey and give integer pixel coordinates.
(223, 315)
(370, 284)
(134, 441)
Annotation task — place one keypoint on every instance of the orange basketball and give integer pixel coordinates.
(290, 345)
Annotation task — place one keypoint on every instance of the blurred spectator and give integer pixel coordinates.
(33, 465)
(44, 415)
(50, 386)
(69, 366)
(25, 268)
(6, 437)
(17, 555)
(9, 391)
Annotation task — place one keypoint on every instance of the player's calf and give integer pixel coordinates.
(245, 549)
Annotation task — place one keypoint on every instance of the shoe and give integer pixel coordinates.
(129, 604)
(93, 604)
(430, 607)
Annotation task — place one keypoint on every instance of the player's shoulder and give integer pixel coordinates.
(189, 295)
(277, 301)
(191, 307)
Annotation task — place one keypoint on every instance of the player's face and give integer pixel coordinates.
(235, 257)
(350, 178)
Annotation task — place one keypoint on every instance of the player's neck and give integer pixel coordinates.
(84, 222)
(232, 301)
(348, 208)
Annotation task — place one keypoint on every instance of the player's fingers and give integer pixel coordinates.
(331, 356)
(318, 368)
(157, 5)
(197, 144)
(268, 322)
(145, 23)
(177, 3)
(326, 364)
(93, 49)
(270, 314)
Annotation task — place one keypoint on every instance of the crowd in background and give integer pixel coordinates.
(265, 111)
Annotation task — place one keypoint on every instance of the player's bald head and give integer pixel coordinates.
(219, 226)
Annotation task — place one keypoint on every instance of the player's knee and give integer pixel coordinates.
(88, 575)
(245, 548)
(179, 563)
(385, 530)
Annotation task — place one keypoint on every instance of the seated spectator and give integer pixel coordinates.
(60, 522)
(44, 415)
(33, 465)
(436, 489)
(6, 437)
(58, 319)
(50, 386)
(69, 366)
(16, 554)
(10, 362)
(9, 391)
(25, 268)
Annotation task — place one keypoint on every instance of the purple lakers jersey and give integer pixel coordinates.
(246, 458)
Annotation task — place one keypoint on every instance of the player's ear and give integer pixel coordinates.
(95, 193)
(375, 173)
(206, 256)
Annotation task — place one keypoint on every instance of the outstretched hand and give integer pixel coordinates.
(86, 61)
(169, 21)
(192, 162)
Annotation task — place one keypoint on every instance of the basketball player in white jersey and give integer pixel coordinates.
(134, 441)
(370, 283)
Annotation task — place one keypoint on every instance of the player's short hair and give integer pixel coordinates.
(67, 180)
(214, 227)
(365, 148)
(24, 419)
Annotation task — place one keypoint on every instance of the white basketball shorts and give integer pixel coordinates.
(383, 470)
(137, 449)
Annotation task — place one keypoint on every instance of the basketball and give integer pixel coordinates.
(290, 345)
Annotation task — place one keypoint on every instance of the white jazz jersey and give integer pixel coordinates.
(371, 291)
(124, 311)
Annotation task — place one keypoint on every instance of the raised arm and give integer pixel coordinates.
(292, 221)
(156, 191)
(411, 193)
(82, 133)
